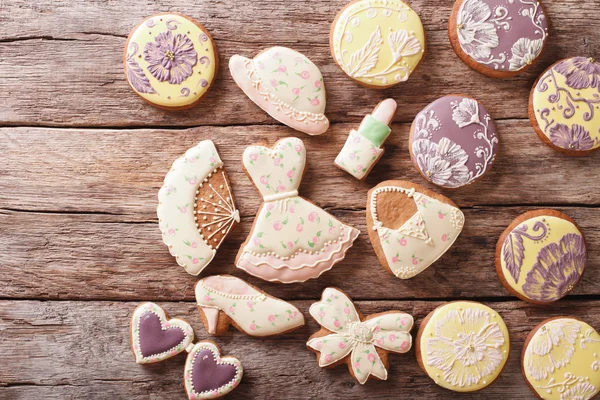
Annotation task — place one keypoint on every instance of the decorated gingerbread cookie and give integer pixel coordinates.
(453, 141)
(209, 375)
(561, 360)
(286, 85)
(463, 346)
(170, 61)
(541, 256)
(223, 300)
(378, 43)
(196, 210)
(363, 344)
(498, 38)
(410, 227)
(564, 106)
(363, 148)
(292, 240)
(155, 337)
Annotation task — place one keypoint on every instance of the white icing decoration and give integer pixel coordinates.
(570, 387)
(465, 345)
(588, 339)
(176, 207)
(336, 313)
(358, 155)
(254, 312)
(223, 389)
(421, 240)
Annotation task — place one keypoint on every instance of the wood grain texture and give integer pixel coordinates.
(61, 63)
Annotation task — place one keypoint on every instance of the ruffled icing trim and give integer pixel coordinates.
(274, 269)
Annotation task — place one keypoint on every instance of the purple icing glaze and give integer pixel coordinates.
(502, 34)
(153, 339)
(454, 141)
(208, 375)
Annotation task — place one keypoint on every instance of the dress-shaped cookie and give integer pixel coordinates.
(498, 38)
(410, 227)
(292, 240)
(564, 106)
(285, 84)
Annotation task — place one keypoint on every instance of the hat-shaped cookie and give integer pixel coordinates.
(287, 85)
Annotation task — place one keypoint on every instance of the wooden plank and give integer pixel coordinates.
(120, 171)
(61, 61)
(74, 256)
(58, 350)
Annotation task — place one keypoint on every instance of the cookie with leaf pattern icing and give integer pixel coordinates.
(541, 256)
(377, 43)
(498, 38)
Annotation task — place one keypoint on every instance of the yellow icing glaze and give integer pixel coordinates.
(562, 360)
(197, 76)
(378, 42)
(459, 333)
(553, 229)
(585, 103)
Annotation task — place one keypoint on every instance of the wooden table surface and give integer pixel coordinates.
(82, 159)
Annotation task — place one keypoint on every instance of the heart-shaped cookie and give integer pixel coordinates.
(410, 227)
(208, 375)
(155, 337)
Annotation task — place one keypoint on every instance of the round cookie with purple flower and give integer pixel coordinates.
(170, 61)
(541, 256)
(453, 141)
(564, 106)
(498, 38)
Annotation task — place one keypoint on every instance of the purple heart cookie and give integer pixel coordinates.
(155, 337)
(208, 375)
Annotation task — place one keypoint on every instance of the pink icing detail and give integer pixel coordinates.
(252, 327)
(264, 180)
(359, 167)
(290, 174)
(195, 260)
(315, 102)
(403, 242)
(392, 337)
(318, 84)
(278, 226)
(270, 207)
(296, 91)
(346, 310)
(337, 323)
(171, 231)
(371, 357)
(274, 82)
(271, 318)
(277, 161)
(305, 74)
(298, 148)
(342, 345)
(282, 68)
(228, 284)
(299, 228)
(193, 245)
(280, 188)
(312, 216)
(328, 358)
(206, 297)
(405, 346)
(254, 156)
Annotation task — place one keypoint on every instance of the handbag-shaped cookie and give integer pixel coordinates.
(410, 227)
(292, 240)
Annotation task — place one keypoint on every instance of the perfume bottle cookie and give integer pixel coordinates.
(286, 85)
(377, 43)
(463, 346)
(453, 141)
(498, 38)
(564, 106)
(170, 61)
(292, 240)
(362, 343)
(541, 256)
(363, 147)
(196, 210)
(225, 300)
(410, 227)
(155, 338)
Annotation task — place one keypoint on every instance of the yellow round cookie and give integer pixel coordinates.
(561, 360)
(565, 105)
(378, 43)
(170, 61)
(463, 346)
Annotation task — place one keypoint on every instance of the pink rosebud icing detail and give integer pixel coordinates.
(278, 226)
(296, 91)
(337, 323)
(404, 346)
(264, 180)
(231, 309)
(394, 259)
(379, 342)
(415, 261)
(250, 304)
(192, 181)
(276, 54)
(254, 156)
(319, 345)
(193, 245)
(357, 365)
(342, 345)
(315, 239)
(315, 102)
(371, 357)
(404, 321)
(392, 337)
(299, 228)
(373, 151)
(377, 328)
(274, 82)
(403, 242)
(305, 74)
(261, 65)
(318, 84)
(171, 231)
(206, 297)
(270, 207)
(293, 315)
(312, 216)
(271, 318)
(282, 68)
(256, 241)
(252, 327)
(277, 161)
(195, 261)
(359, 167)
(280, 188)
(444, 237)
(352, 156)
(183, 209)
(322, 314)
(290, 173)
(328, 358)
(290, 245)
(292, 210)
(346, 310)
(440, 216)
(298, 148)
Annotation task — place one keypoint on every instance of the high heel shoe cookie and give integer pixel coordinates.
(292, 240)
(224, 300)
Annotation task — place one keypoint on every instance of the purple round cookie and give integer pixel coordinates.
(502, 37)
(453, 141)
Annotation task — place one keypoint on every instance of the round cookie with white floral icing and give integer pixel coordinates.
(453, 141)
(564, 106)
(463, 346)
(541, 256)
(378, 43)
(170, 61)
(561, 360)
(498, 38)
(286, 85)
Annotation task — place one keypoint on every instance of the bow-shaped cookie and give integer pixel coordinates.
(362, 343)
